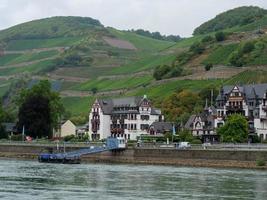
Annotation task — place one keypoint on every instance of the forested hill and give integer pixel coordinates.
(51, 28)
(233, 18)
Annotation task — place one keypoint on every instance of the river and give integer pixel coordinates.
(27, 180)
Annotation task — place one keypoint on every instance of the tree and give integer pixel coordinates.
(220, 36)
(176, 105)
(3, 133)
(50, 105)
(234, 130)
(35, 116)
(94, 90)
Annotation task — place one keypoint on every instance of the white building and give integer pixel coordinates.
(127, 117)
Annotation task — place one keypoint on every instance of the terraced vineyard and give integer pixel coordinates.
(86, 60)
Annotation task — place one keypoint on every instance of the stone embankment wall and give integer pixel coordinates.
(196, 158)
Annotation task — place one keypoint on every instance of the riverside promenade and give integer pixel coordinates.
(231, 156)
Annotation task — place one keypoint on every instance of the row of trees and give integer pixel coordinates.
(157, 35)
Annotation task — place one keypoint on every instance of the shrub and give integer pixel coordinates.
(247, 47)
(196, 141)
(160, 71)
(208, 66)
(220, 36)
(17, 137)
(260, 162)
(197, 48)
(207, 38)
(236, 59)
(94, 90)
(69, 138)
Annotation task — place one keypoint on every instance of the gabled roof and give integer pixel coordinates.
(248, 90)
(190, 121)
(108, 105)
(162, 126)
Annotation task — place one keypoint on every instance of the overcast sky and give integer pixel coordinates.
(178, 17)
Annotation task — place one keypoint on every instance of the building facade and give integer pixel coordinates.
(126, 117)
(247, 100)
(67, 128)
(202, 125)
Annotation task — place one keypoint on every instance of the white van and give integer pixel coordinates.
(184, 145)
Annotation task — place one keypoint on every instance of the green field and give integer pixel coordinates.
(78, 105)
(108, 84)
(12, 59)
(19, 45)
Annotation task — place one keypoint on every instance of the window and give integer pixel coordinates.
(144, 126)
(144, 117)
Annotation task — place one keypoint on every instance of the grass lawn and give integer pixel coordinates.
(78, 105)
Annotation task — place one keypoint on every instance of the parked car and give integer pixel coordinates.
(184, 145)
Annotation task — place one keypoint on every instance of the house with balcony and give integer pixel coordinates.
(247, 100)
(123, 117)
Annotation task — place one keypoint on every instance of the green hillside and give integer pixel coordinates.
(237, 17)
(85, 60)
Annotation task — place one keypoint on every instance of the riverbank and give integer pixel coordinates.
(193, 158)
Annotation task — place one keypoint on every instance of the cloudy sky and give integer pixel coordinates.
(167, 16)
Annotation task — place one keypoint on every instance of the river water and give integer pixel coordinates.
(27, 180)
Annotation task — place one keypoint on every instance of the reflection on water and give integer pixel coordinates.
(32, 180)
